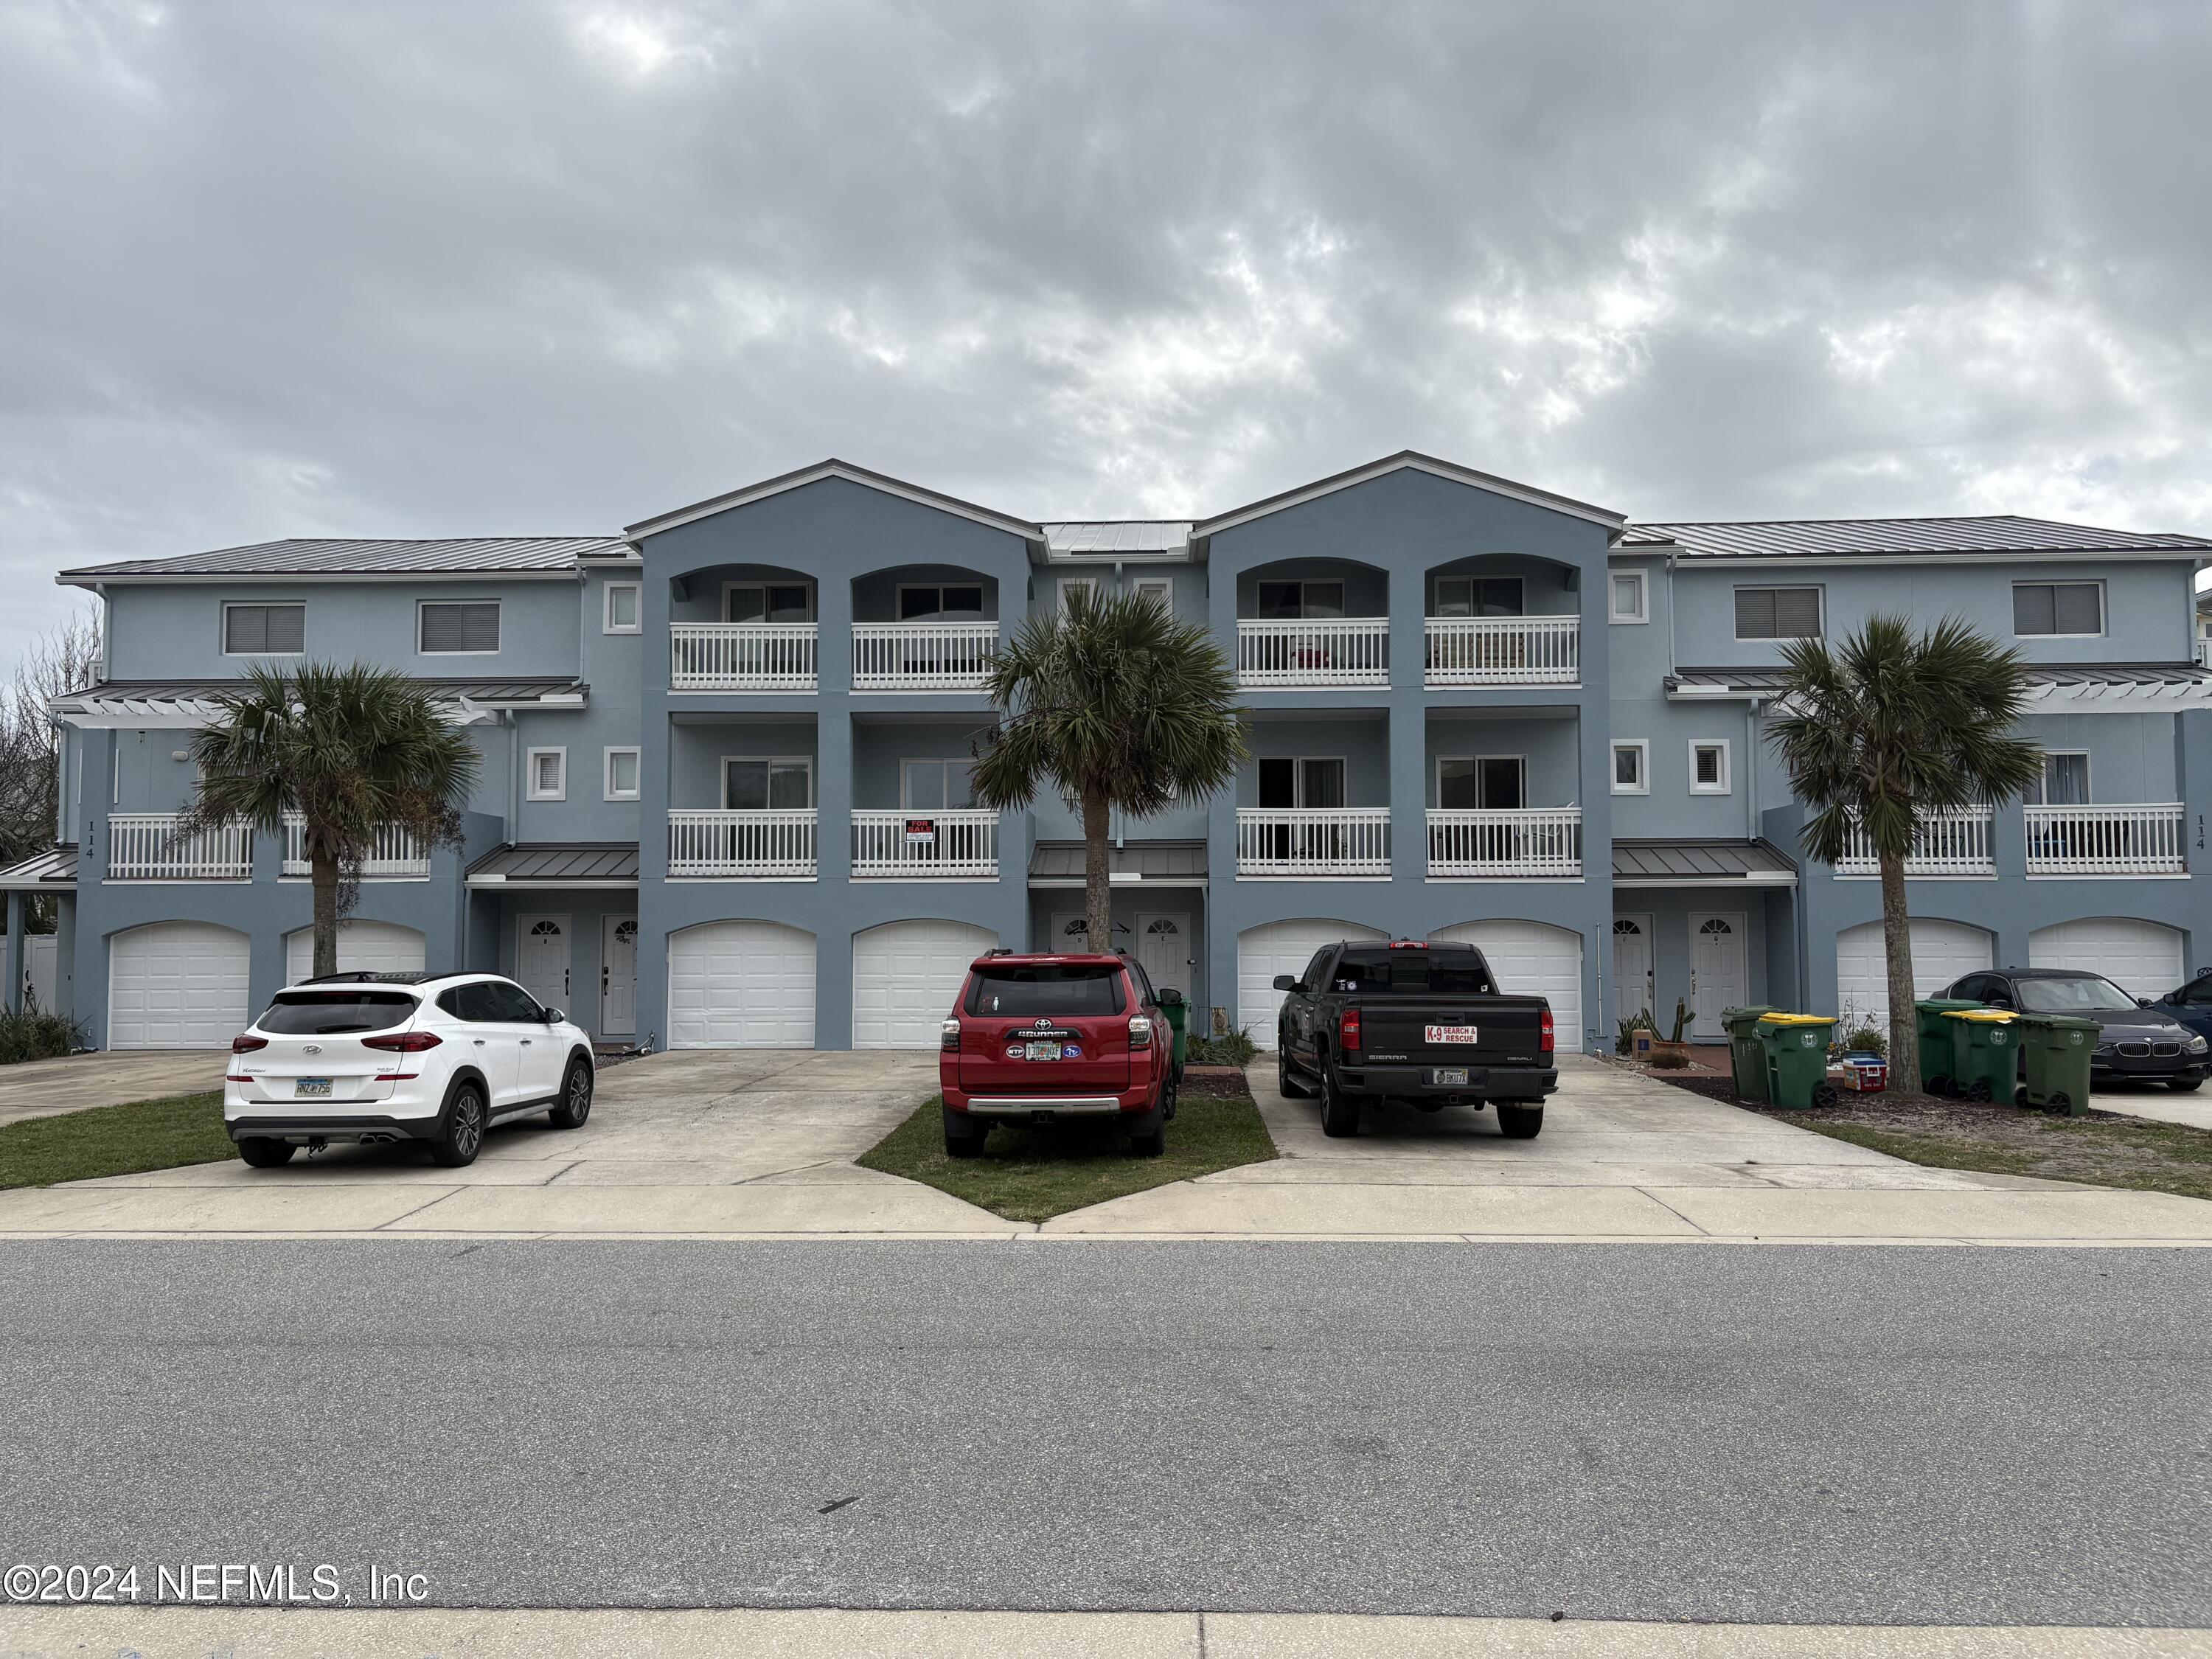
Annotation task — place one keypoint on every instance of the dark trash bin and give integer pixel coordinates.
(1984, 1053)
(1797, 1046)
(2057, 1048)
(1935, 1041)
(1747, 1055)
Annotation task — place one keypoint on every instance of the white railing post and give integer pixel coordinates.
(2142, 840)
(743, 656)
(1541, 841)
(1953, 843)
(1503, 651)
(777, 842)
(1337, 841)
(392, 853)
(145, 846)
(1320, 651)
(923, 656)
(927, 844)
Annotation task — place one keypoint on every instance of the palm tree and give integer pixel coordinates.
(1114, 703)
(1890, 728)
(352, 750)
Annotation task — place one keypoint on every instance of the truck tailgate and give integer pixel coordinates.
(1491, 1030)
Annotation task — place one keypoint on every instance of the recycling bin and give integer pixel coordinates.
(1936, 1043)
(1797, 1053)
(1745, 1054)
(1178, 1012)
(2057, 1048)
(1984, 1053)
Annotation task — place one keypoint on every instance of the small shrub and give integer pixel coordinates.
(1237, 1048)
(1669, 1059)
(1868, 1039)
(30, 1035)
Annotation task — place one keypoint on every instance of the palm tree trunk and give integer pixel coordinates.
(323, 875)
(1097, 887)
(1897, 947)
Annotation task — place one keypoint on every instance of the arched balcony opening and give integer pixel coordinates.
(743, 628)
(1503, 619)
(924, 628)
(1305, 623)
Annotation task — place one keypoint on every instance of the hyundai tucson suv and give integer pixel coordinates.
(2137, 1042)
(434, 1058)
(1039, 1037)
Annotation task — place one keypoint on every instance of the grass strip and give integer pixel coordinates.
(107, 1141)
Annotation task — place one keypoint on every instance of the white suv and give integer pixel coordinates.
(437, 1058)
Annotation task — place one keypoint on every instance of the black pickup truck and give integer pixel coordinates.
(1415, 1022)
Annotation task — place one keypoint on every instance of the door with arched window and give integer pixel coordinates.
(1716, 971)
(540, 958)
(1164, 950)
(1632, 989)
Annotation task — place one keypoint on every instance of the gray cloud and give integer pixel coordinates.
(280, 268)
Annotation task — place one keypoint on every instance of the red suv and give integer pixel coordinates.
(1038, 1037)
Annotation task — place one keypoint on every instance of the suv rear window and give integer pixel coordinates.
(1449, 973)
(326, 1013)
(1060, 989)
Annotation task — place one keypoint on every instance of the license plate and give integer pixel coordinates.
(311, 1088)
(1044, 1051)
(1451, 1076)
(1448, 1033)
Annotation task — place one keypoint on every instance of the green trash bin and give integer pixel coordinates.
(1745, 1054)
(1935, 1043)
(1984, 1053)
(1796, 1049)
(2057, 1048)
(1177, 1010)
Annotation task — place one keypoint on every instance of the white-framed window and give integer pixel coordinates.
(624, 769)
(1479, 596)
(1070, 586)
(940, 601)
(931, 784)
(1155, 587)
(2065, 780)
(768, 602)
(1778, 613)
(265, 630)
(1631, 596)
(1300, 600)
(457, 628)
(2066, 610)
(759, 783)
(1709, 766)
(1631, 766)
(1496, 782)
(624, 608)
(546, 772)
(1291, 782)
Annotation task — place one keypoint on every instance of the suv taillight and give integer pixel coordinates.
(246, 1045)
(948, 1036)
(1545, 1041)
(1140, 1030)
(404, 1043)
(1347, 1031)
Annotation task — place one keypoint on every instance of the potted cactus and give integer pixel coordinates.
(1673, 1054)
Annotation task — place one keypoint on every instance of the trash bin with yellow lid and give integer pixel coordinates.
(1796, 1048)
(2056, 1049)
(1935, 1041)
(1747, 1055)
(1984, 1053)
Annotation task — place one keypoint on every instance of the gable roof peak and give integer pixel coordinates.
(833, 468)
(1412, 460)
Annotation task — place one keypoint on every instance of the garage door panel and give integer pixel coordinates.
(1941, 951)
(376, 947)
(1280, 947)
(176, 985)
(741, 984)
(906, 976)
(2143, 958)
(1532, 959)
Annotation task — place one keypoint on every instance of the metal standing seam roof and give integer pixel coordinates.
(1636, 859)
(1106, 537)
(509, 691)
(52, 871)
(1148, 860)
(1867, 538)
(349, 556)
(2148, 674)
(559, 862)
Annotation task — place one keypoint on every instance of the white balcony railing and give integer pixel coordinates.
(1314, 651)
(1541, 841)
(395, 854)
(1505, 651)
(2105, 841)
(777, 842)
(1319, 840)
(926, 845)
(743, 656)
(145, 846)
(922, 656)
(1944, 844)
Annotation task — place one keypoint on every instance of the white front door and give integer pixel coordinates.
(618, 975)
(1071, 934)
(540, 958)
(1163, 951)
(1716, 977)
(1632, 989)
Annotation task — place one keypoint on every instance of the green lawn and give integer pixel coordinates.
(1033, 1172)
(105, 1140)
(2101, 1150)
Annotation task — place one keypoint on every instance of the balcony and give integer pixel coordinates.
(1313, 841)
(1958, 843)
(922, 656)
(927, 845)
(2107, 840)
(743, 656)
(394, 856)
(1520, 841)
(732, 845)
(1332, 651)
(145, 846)
(1505, 651)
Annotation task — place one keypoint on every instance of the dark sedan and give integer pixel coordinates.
(2190, 1005)
(2140, 1043)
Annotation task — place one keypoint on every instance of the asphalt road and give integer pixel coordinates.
(1944, 1435)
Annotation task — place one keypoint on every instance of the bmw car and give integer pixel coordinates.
(2140, 1043)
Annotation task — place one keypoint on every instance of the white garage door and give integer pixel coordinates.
(2141, 958)
(176, 985)
(1280, 947)
(741, 984)
(1530, 959)
(369, 947)
(905, 976)
(1941, 951)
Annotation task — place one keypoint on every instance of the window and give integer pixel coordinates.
(621, 777)
(265, 630)
(935, 785)
(1708, 767)
(1288, 781)
(327, 1013)
(1478, 596)
(1071, 586)
(466, 627)
(1631, 767)
(768, 602)
(940, 602)
(622, 608)
(1631, 600)
(548, 773)
(767, 783)
(473, 1002)
(1293, 601)
(2060, 608)
(510, 1002)
(1489, 781)
(1155, 587)
(1778, 613)
(2065, 781)
(1442, 972)
(1047, 989)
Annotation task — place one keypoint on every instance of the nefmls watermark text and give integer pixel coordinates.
(214, 1583)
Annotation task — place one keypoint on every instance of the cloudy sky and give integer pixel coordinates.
(491, 265)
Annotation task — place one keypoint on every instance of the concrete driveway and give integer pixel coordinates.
(39, 1088)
